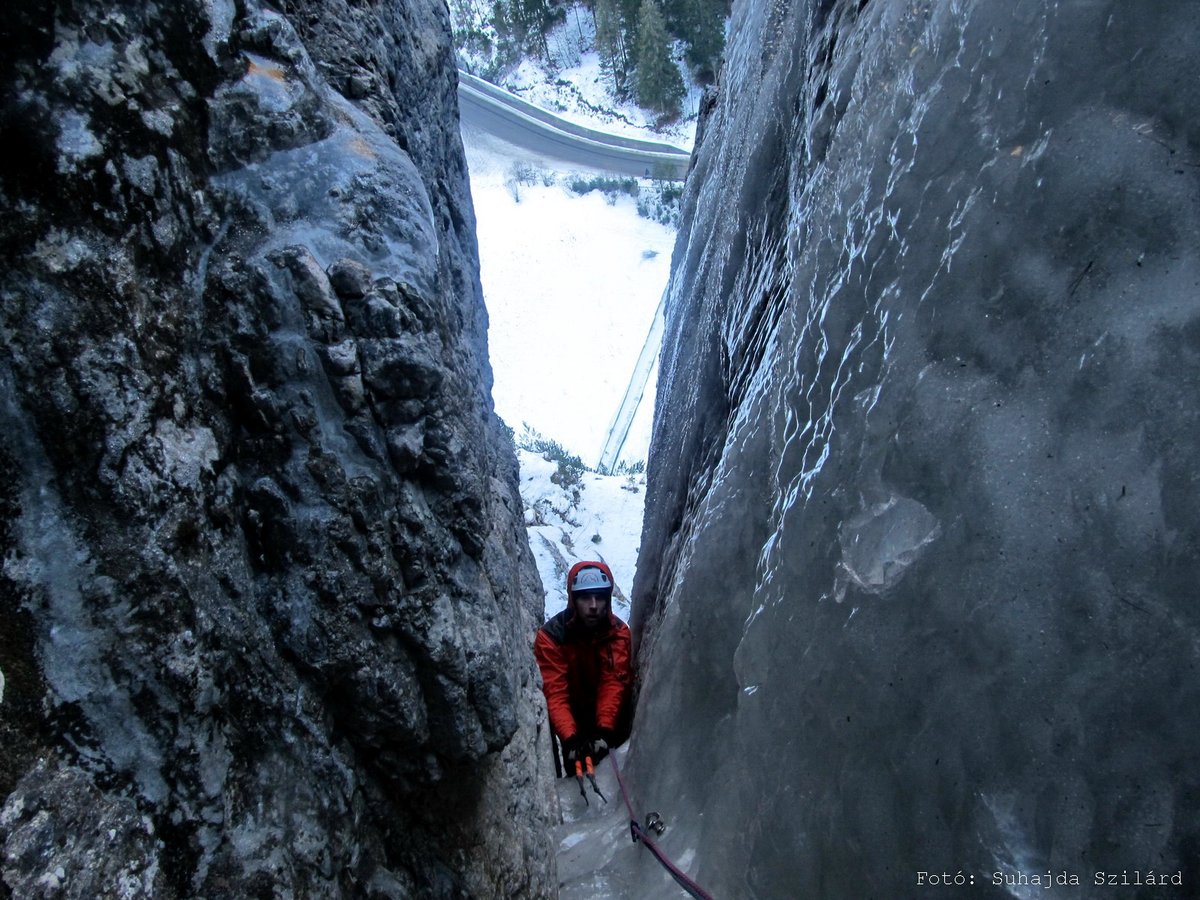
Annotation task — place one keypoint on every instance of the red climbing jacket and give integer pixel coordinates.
(586, 675)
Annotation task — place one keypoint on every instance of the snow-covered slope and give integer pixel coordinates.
(570, 83)
(571, 284)
(598, 518)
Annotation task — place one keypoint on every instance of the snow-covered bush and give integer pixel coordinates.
(521, 173)
(659, 202)
(570, 466)
(609, 187)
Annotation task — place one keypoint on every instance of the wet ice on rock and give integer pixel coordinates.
(929, 352)
(597, 858)
(882, 542)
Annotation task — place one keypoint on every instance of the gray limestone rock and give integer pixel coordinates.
(270, 595)
(68, 838)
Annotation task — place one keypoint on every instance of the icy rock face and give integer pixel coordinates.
(917, 582)
(267, 598)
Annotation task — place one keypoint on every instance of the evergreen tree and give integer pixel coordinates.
(629, 19)
(676, 13)
(628, 13)
(612, 45)
(703, 28)
(659, 85)
(522, 26)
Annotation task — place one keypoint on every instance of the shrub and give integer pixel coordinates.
(570, 467)
(610, 187)
(525, 174)
(660, 203)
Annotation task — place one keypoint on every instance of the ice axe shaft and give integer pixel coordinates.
(591, 774)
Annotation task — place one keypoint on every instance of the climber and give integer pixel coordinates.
(583, 653)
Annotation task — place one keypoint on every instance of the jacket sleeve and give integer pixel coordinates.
(553, 663)
(616, 676)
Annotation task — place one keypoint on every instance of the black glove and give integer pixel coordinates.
(598, 749)
(574, 748)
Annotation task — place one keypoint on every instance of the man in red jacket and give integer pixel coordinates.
(583, 653)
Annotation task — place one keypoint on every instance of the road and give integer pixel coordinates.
(495, 111)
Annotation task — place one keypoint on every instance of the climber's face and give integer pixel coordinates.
(590, 608)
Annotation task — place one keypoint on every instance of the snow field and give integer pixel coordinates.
(571, 284)
(599, 519)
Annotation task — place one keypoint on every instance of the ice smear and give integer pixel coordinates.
(319, 181)
(597, 859)
(880, 544)
(80, 630)
(1011, 851)
(75, 140)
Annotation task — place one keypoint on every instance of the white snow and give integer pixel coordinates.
(571, 285)
(580, 94)
(601, 519)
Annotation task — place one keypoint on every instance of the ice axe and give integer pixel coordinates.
(591, 774)
(579, 778)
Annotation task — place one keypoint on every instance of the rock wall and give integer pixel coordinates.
(266, 592)
(917, 582)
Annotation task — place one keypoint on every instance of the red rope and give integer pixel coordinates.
(639, 834)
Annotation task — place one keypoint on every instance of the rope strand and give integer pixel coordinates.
(639, 834)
